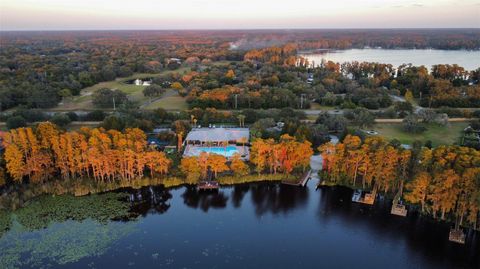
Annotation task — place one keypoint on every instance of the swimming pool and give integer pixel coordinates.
(229, 151)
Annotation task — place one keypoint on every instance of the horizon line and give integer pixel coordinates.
(239, 29)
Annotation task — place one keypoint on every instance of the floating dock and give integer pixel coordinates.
(368, 198)
(208, 185)
(399, 210)
(457, 236)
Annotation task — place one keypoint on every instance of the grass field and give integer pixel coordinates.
(171, 101)
(135, 93)
(439, 135)
(317, 106)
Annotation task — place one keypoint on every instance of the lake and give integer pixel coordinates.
(470, 60)
(264, 225)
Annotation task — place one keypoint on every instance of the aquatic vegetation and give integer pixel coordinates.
(5, 221)
(60, 243)
(19, 197)
(44, 210)
(62, 229)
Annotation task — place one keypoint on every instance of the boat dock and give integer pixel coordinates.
(368, 198)
(457, 236)
(399, 210)
(208, 185)
(302, 181)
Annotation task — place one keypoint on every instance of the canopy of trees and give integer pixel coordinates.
(284, 156)
(44, 152)
(445, 181)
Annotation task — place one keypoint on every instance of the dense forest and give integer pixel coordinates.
(444, 181)
(230, 77)
(47, 153)
(38, 70)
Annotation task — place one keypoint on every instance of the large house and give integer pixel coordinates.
(223, 141)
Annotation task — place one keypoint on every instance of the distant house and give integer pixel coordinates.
(174, 60)
(139, 82)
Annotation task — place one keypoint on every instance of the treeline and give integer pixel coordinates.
(444, 85)
(447, 181)
(283, 156)
(46, 152)
(37, 71)
(448, 39)
(374, 163)
(284, 55)
(444, 181)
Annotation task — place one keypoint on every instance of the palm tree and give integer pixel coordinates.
(241, 120)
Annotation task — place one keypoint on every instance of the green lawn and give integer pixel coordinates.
(169, 103)
(439, 135)
(135, 93)
(317, 106)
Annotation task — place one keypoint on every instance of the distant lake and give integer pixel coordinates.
(470, 60)
(265, 225)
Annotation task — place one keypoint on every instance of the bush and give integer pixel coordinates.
(96, 115)
(412, 124)
(31, 115)
(153, 90)
(105, 98)
(61, 119)
(73, 116)
(113, 122)
(16, 122)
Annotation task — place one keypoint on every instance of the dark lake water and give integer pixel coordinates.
(470, 60)
(246, 226)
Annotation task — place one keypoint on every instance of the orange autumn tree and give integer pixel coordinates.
(94, 153)
(453, 184)
(239, 167)
(25, 156)
(284, 156)
(190, 167)
(374, 161)
(217, 163)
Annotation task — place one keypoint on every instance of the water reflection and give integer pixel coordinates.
(204, 199)
(421, 235)
(150, 200)
(322, 223)
(276, 198)
(239, 193)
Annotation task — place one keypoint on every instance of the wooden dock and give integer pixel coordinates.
(399, 210)
(457, 236)
(302, 181)
(208, 185)
(368, 198)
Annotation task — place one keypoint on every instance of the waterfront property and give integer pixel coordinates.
(222, 141)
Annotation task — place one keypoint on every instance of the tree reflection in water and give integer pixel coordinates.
(150, 200)
(277, 198)
(204, 199)
(422, 234)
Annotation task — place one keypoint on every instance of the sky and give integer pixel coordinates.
(231, 14)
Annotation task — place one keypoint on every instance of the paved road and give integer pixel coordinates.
(416, 108)
(318, 111)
